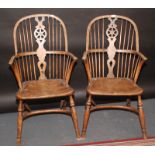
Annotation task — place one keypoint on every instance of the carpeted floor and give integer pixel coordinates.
(57, 129)
(150, 141)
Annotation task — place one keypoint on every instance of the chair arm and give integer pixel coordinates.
(84, 57)
(144, 58)
(11, 61)
(15, 70)
(87, 67)
(69, 70)
(72, 56)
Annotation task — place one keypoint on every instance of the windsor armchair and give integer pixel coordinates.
(113, 62)
(42, 66)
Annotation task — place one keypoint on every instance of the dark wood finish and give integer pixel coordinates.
(42, 66)
(113, 62)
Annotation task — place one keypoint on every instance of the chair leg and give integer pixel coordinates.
(141, 117)
(86, 117)
(19, 122)
(74, 117)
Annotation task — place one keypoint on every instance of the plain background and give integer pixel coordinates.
(76, 21)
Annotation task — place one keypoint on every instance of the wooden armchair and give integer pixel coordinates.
(42, 66)
(113, 62)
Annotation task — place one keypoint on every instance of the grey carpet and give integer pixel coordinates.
(57, 129)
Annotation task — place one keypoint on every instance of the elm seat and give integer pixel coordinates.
(114, 87)
(44, 89)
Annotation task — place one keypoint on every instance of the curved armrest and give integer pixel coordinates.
(84, 57)
(15, 70)
(70, 60)
(144, 58)
(69, 70)
(11, 61)
(73, 56)
(139, 63)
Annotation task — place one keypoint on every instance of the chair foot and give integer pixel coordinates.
(144, 134)
(19, 122)
(85, 122)
(142, 117)
(83, 135)
(80, 138)
(18, 142)
(86, 117)
(74, 117)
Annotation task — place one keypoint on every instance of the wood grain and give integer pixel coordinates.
(42, 66)
(119, 60)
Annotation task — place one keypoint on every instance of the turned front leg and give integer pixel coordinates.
(86, 117)
(142, 117)
(19, 122)
(74, 117)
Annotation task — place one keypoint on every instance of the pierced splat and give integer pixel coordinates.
(40, 35)
(111, 33)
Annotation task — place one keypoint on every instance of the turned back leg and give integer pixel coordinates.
(19, 121)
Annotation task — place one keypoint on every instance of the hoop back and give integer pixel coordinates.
(112, 40)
